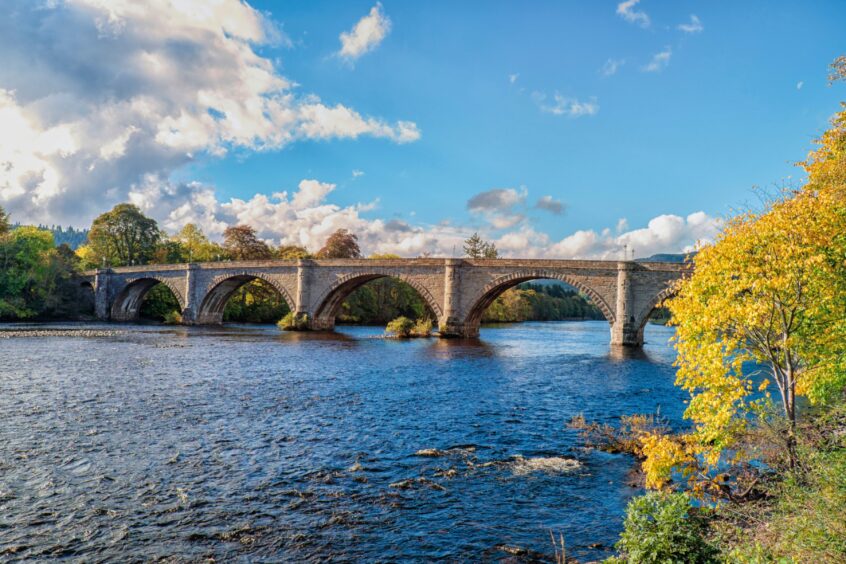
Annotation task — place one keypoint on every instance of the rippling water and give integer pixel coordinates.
(243, 443)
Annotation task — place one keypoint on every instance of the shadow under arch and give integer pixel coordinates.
(222, 288)
(497, 287)
(329, 304)
(86, 296)
(127, 304)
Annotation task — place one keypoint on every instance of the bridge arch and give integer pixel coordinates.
(127, 303)
(667, 293)
(221, 288)
(495, 288)
(329, 302)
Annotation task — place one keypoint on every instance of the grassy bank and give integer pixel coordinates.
(769, 512)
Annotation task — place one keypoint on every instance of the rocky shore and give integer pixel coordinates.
(85, 333)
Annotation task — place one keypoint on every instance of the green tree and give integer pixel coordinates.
(476, 247)
(196, 246)
(255, 302)
(340, 244)
(4, 221)
(169, 251)
(292, 252)
(124, 236)
(25, 276)
(241, 243)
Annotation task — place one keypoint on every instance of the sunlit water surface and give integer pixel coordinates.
(243, 443)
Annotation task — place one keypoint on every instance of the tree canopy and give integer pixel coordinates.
(124, 236)
(476, 247)
(241, 243)
(340, 244)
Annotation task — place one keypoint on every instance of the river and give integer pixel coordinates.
(241, 442)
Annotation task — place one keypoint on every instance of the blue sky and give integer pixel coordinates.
(724, 115)
(730, 102)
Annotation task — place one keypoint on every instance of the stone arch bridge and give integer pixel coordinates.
(457, 291)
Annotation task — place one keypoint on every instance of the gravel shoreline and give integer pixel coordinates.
(12, 333)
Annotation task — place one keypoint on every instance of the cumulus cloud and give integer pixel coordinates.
(564, 106)
(310, 193)
(550, 204)
(627, 11)
(357, 173)
(365, 35)
(512, 78)
(800, 84)
(98, 97)
(693, 26)
(663, 234)
(284, 219)
(659, 60)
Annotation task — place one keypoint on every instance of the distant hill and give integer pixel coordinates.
(666, 257)
(74, 238)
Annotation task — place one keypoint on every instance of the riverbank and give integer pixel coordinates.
(81, 333)
(766, 511)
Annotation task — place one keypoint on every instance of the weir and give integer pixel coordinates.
(457, 290)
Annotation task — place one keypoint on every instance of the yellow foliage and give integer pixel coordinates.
(87, 256)
(771, 291)
(663, 454)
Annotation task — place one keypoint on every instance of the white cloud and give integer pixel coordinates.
(693, 26)
(281, 219)
(310, 193)
(357, 173)
(564, 106)
(98, 96)
(512, 78)
(611, 67)
(800, 84)
(627, 11)
(663, 234)
(365, 35)
(659, 60)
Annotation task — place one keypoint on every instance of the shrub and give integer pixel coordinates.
(422, 328)
(661, 527)
(293, 322)
(400, 327)
(172, 318)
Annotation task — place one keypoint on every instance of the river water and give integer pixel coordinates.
(244, 443)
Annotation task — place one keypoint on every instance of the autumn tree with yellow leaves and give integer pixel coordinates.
(768, 298)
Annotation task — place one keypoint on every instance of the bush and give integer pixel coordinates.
(422, 328)
(660, 527)
(294, 322)
(405, 328)
(400, 327)
(172, 318)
